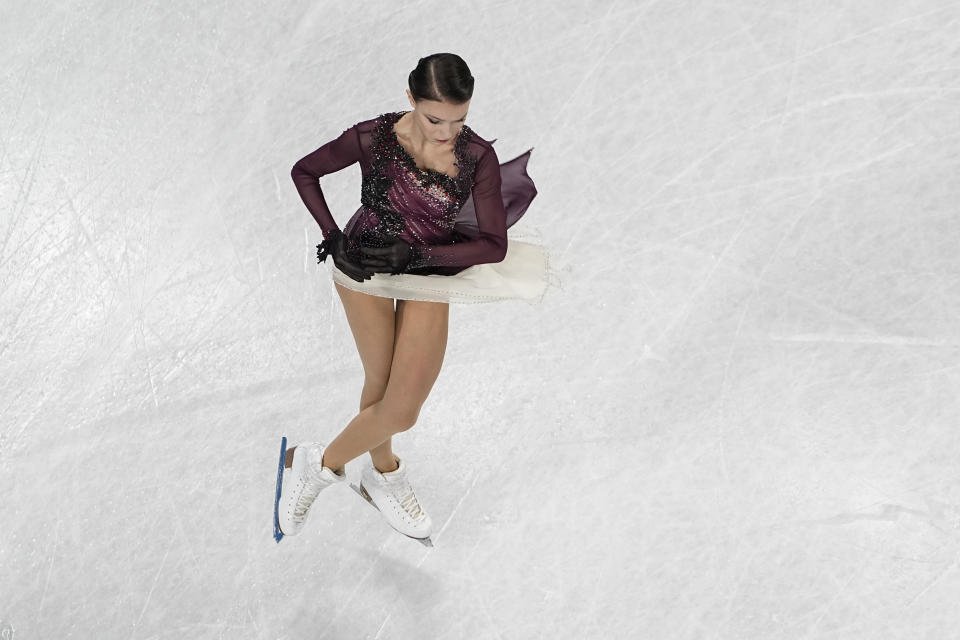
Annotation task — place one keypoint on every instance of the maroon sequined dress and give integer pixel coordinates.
(458, 223)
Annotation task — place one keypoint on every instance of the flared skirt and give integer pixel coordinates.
(523, 274)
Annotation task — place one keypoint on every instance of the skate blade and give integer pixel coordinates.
(427, 542)
(277, 534)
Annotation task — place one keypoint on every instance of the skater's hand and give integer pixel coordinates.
(392, 255)
(336, 247)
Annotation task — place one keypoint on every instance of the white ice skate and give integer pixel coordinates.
(393, 496)
(298, 485)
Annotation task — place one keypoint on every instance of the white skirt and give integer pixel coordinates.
(523, 274)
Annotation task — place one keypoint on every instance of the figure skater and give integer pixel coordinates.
(432, 229)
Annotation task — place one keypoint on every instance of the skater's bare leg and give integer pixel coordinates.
(372, 321)
(381, 455)
(420, 341)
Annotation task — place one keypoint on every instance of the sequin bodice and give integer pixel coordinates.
(424, 202)
(455, 222)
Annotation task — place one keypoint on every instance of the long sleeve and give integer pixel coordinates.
(333, 156)
(491, 243)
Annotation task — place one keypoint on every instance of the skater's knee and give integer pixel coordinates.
(406, 419)
(400, 417)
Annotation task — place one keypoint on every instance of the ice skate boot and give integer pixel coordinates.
(392, 494)
(300, 478)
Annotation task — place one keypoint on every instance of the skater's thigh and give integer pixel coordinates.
(372, 321)
(418, 350)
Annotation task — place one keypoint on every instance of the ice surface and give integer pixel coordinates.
(736, 419)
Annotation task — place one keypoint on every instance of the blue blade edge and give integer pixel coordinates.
(277, 534)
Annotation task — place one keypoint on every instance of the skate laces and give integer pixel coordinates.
(311, 489)
(410, 505)
(313, 484)
(403, 493)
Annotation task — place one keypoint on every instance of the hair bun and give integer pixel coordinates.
(441, 76)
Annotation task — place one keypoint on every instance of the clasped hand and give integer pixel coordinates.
(394, 256)
(385, 256)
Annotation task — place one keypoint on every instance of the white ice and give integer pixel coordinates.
(736, 418)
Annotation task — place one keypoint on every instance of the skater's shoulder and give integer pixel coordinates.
(367, 125)
(477, 144)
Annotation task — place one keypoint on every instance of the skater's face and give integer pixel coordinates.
(438, 122)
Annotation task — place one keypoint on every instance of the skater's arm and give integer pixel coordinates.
(491, 244)
(331, 157)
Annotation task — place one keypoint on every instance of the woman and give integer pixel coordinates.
(432, 229)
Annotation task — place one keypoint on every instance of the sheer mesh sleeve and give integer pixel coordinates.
(491, 243)
(331, 157)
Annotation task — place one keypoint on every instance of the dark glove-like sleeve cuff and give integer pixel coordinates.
(325, 247)
(323, 250)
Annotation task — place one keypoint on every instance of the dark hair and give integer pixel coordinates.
(443, 77)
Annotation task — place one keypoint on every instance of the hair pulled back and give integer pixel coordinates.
(443, 77)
